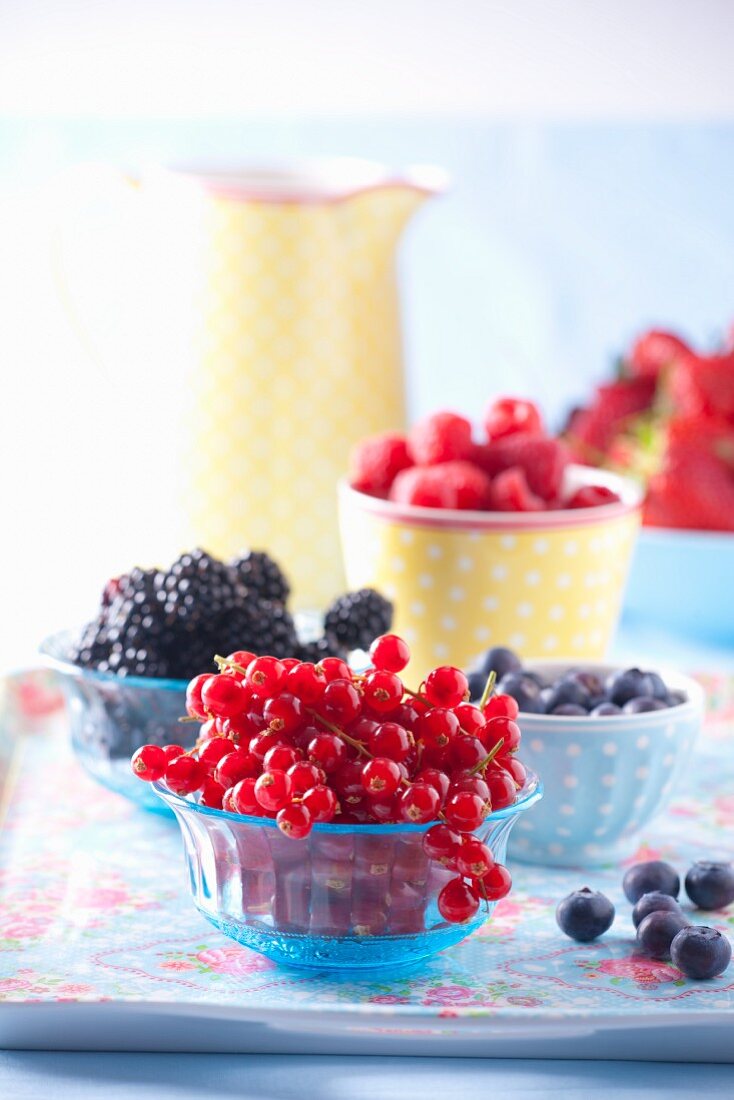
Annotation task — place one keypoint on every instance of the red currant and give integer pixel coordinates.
(227, 804)
(502, 789)
(306, 682)
(475, 784)
(435, 729)
(235, 766)
(335, 669)
(436, 779)
(389, 652)
(391, 740)
(211, 794)
(149, 762)
(381, 777)
(385, 811)
(212, 751)
(172, 751)
(273, 790)
(442, 844)
(467, 752)
(265, 741)
(194, 705)
(265, 675)
(515, 768)
(419, 803)
(243, 798)
(284, 713)
(505, 729)
(241, 727)
(497, 883)
(446, 687)
(501, 706)
(458, 902)
(464, 811)
(327, 751)
(321, 802)
(471, 719)
(223, 696)
(294, 820)
(405, 715)
(347, 782)
(341, 702)
(383, 691)
(289, 663)
(281, 757)
(474, 858)
(184, 775)
(304, 776)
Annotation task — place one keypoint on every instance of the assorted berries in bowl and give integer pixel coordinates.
(611, 744)
(125, 673)
(489, 533)
(336, 819)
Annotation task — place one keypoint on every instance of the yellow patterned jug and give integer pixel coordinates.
(290, 321)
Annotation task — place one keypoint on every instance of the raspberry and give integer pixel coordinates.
(592, 496)
(654, 352)
(510, 416)
(442, 437)
(510, 492)
(453, 485)
(542, 460)
(376, 462)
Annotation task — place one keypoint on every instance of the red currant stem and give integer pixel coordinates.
(480, 883)
(188, 718)
(416, 695)
(484, 764)
(222, 662)
(339, 732)
(488, 689)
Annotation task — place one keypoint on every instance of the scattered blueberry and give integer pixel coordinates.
(569, 709)
(643, 878)
(630, 684)
(584, 915)
(710, 885)
(523, 689)
(476, 681)
(700, 952)
(657, 931)
(675, 698)
(654, 902)
(643, 703)
(603, 710)
(568, 690)
(659, 688)
(592, 684)
(500, 661)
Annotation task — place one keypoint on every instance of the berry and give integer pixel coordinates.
(700, 952)
(571, 710)
(510, 416)
(452, 485)
(381, 777)
(194, 706)
(273, 790)
(505, 730)
(643, 878)
(419, 804)
(592, 496)
(442, 437)
(643, 704)
(515, 768)
(306, 682)
(657, 930)
(354, 621)
(496, 884)
(458, 902)
(501, 661)
(540, 462)
(240, 657)
(223, 696)
(334, 668)
(262, 576)
(654, 902)
(341, 702)
(446, 686)
(375, 462)
(235, 766)
(172, 751)
(265, 675)
(442, 844)
(149, 763)
(327, 751)
(710, 885)
(592, 430)
(502, 788)
(212, 794)
(524, 690)
(184, 775)
(283, 713)
(474, 859)
(471, 719)
(382, 690)
(585, 915)
(294, 820)
(501, 706)
(654, 352)
(212, 751)
(464, 811)
(464, 780)
(391, 740)
(436, 779)
(281, 758)
(510, 492)
(435, 729)
(390, 653)
(604, 710)
(304, 776)
(321, 802)
(467, 752)
(243, 798)
(262, 743)
(629, 684)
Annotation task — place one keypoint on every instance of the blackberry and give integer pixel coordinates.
(262, 626)
(262, 576)
(354, 621)
(317, 650)
(198, 586)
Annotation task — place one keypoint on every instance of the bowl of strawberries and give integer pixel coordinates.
(489, 535)
(667, 420)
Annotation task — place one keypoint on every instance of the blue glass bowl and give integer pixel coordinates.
(111, 716)
(346, 896)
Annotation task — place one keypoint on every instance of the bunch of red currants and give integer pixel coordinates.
(315, 743)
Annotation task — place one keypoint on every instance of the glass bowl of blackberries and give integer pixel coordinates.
(610, 742)
(124, 674)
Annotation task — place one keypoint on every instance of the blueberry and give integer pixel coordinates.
(657, 931)
(700, 952)
(584, 915)
(605, 709)
(536, 677)
(589, 681)
(654, 902)
(523, 689)
(567, 690)
(659, 687)
(643, 878)
(569, 709)
(500, 661)
(643, 703)
(630, 684)
(477, 680)
(710, 885)
(675, 698)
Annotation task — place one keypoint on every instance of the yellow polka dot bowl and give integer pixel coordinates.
(605, 778)
(547, 584)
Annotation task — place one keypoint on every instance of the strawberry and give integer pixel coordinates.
(542, 459)
(443, 437)
(704, 384)
(510, 492)
(376, 461)
(592, 430)
(654, 352)
(511, 415)
(695, 488)
(448, 485)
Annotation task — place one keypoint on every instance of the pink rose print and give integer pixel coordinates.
(103, 897)
(70, 989)
(524, 1002)
(9, 984)
(643, 971)
(177, 964)
(506, 915)
(24, 928)
(389, 999)
(448, 995)
(643, 853)
(235, 961)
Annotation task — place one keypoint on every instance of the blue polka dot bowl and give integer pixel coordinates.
(605, 778)
(344, 897)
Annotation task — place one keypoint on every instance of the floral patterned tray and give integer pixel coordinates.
(100, 947)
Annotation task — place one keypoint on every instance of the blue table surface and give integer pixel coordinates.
(26, 1074)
